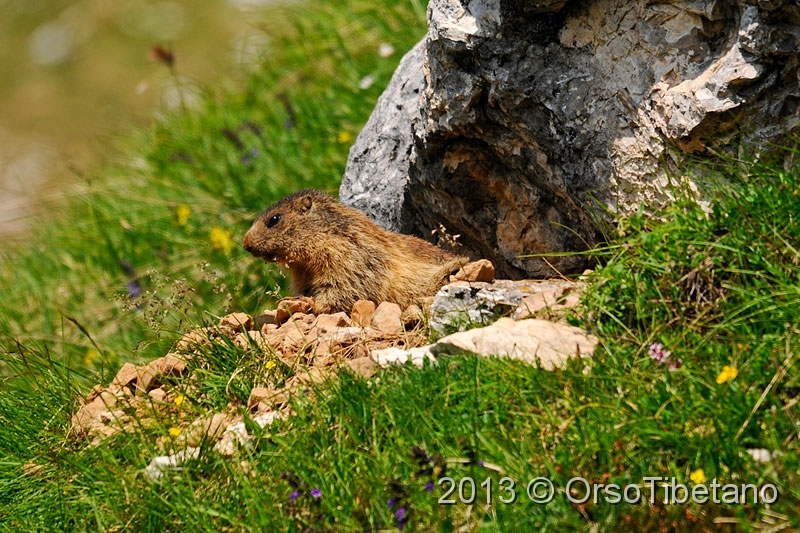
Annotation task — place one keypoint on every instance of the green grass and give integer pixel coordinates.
(715, 289)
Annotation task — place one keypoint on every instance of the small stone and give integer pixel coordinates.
(172, 363)
(387, 318)
(126, 375)
(101, 432)
(94, 393)
(234, 323)
(560, 295)
(158, 395)
(412, 316)
(89, 415)
(242, 340)
(338, 339)
(206, 428)
(327, 322)
(151, 375)
(250, 339)
(325, 348)
(234, 438)
(266, 329)
(158, 465)
(481, 270)
(267, 317)
(108, 399)
(274, 339)
(314, 375)
(362, 312)
(293, 333)
(371, 333)
(110, 417)
(363, 366)
(387, 357)
(532, 304)
(344, 335)
(280, 398)
(762, 455)
(258, 395)
(289, 306)
(200, 337)
(266, 419)
(573, 299)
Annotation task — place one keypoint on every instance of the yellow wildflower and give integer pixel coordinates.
(183, 212)
(698, 476)
(270, 365)
(221, 239)
(344, 137)
(179, 399)
(90, 356)
(174, 432)
(728, 373)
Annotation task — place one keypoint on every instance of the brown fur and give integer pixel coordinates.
(338, 255)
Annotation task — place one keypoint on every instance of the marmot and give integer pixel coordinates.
(337, 255)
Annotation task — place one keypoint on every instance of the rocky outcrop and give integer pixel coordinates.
(517, 125)
(164, 396)
(466, 304)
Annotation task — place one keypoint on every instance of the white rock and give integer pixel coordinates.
(534, 341)
(385, 50)
(235, 436)
(398, 356)
(762, 455)
(155, 470)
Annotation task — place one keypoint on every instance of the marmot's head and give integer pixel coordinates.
(280, 234)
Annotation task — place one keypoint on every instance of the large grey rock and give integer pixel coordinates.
(534, 117)
(379, 160)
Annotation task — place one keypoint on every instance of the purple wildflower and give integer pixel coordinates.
(658, 353)
(401, 517)
(316, 493)
(429, 486)
(294, 495)
(134, 289)
(246, 158)
(391, 502)
(423, 472)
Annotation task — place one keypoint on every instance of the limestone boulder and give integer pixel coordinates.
(518, 125)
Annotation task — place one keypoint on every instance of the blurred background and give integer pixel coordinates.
(73, 72)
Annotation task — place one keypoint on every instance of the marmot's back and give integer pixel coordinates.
(338, 255)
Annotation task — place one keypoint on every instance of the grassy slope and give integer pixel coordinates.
(718, 290)
(203, 160)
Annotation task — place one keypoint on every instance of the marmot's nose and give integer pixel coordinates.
(248, 242)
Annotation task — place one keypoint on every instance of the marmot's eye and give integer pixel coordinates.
(274, 219)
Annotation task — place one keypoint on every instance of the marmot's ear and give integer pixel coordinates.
(305, 203)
